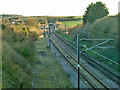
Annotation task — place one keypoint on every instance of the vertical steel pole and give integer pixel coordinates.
(78, 57)
(33, 84)
(49, 37)
(20, 79)
(44, 31)
(65, 29)
(20, 86)
(54, 28)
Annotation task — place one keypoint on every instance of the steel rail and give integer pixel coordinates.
(118, 76)
(92, 83)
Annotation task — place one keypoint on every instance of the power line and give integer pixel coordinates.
(94, 51)
(97, 32)
(106, 57)
(97, 45)
(84, 39)
(102, 56)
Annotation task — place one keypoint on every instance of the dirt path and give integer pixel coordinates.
(47, 72)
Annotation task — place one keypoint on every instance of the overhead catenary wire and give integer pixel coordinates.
(97, 32)
(112, 36)
(90, 58)
(96, 45)
(94, 39)
(106, 57)
(92, 50)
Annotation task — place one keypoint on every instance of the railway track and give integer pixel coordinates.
(113, 76)
(88, 76)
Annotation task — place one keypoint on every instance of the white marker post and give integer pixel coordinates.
(33, 82)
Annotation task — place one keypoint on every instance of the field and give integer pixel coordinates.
(72, 23)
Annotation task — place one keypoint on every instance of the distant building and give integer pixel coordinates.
(13, 22)
(16, 20)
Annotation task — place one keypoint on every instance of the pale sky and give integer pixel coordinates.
(52, 7)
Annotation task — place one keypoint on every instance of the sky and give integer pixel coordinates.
(52, 7)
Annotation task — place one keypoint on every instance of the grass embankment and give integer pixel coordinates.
(48, 73)
(64, 35)
(103, 28)
(18, 56)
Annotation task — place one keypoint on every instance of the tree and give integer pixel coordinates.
(3, 27)
(95, 11)
(32, 22)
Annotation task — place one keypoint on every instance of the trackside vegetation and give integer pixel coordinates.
(18, 55)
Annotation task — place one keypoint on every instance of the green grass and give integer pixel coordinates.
(72, 23)
(109, 53)
(49, 73)
(106, 27)
(101, 59)
(64, 35)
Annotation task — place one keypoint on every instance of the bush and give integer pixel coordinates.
(32, 22)
(9, 55)
(17, 54)
(26, 49)
(33, 35)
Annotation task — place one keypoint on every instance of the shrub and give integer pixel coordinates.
(33, 35)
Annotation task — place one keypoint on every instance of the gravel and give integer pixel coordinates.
(67, 68)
